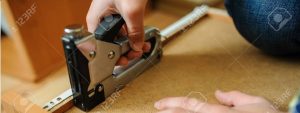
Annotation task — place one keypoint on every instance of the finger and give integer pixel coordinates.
(123, 61)
(147, 47)
(133, 15)
(236, 98)
(96, 11)
(134, 54)
(137, 54)
(189, 104)
(123, 31)
(175, 110)
(181, 102)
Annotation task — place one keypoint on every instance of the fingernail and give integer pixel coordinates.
(138, 46)
(157, 105)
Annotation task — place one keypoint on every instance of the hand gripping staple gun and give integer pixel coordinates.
(91, 57)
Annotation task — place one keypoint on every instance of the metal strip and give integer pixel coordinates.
(184, 23)
(57, 100)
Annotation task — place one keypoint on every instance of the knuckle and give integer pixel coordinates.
(133, 10)
(188, 102)
(234, 92)
(136, 34)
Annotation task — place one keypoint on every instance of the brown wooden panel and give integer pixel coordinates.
(41, 26)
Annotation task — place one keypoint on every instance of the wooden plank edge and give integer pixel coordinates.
(13, 102)
(64, 106)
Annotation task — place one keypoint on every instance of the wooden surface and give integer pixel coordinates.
(15, 54)
(37, 27)
(209, 56)
(15, 103)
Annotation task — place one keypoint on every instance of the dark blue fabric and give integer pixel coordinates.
(295, 107)
(271, 25)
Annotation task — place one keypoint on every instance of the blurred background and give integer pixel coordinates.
(32, 29)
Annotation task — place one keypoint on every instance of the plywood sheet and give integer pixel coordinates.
(210, 56)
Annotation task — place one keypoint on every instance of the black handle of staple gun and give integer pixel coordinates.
(78, 65)
(109, 27)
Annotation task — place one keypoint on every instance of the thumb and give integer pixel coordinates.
(236, 98)
(133, 15)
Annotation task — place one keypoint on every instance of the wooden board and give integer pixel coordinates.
(211, 55)
(36, 30)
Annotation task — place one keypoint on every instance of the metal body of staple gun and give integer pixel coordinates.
(91, 58)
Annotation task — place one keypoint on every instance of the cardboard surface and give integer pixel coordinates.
(210, 56)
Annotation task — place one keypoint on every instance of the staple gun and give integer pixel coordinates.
(91, 57)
